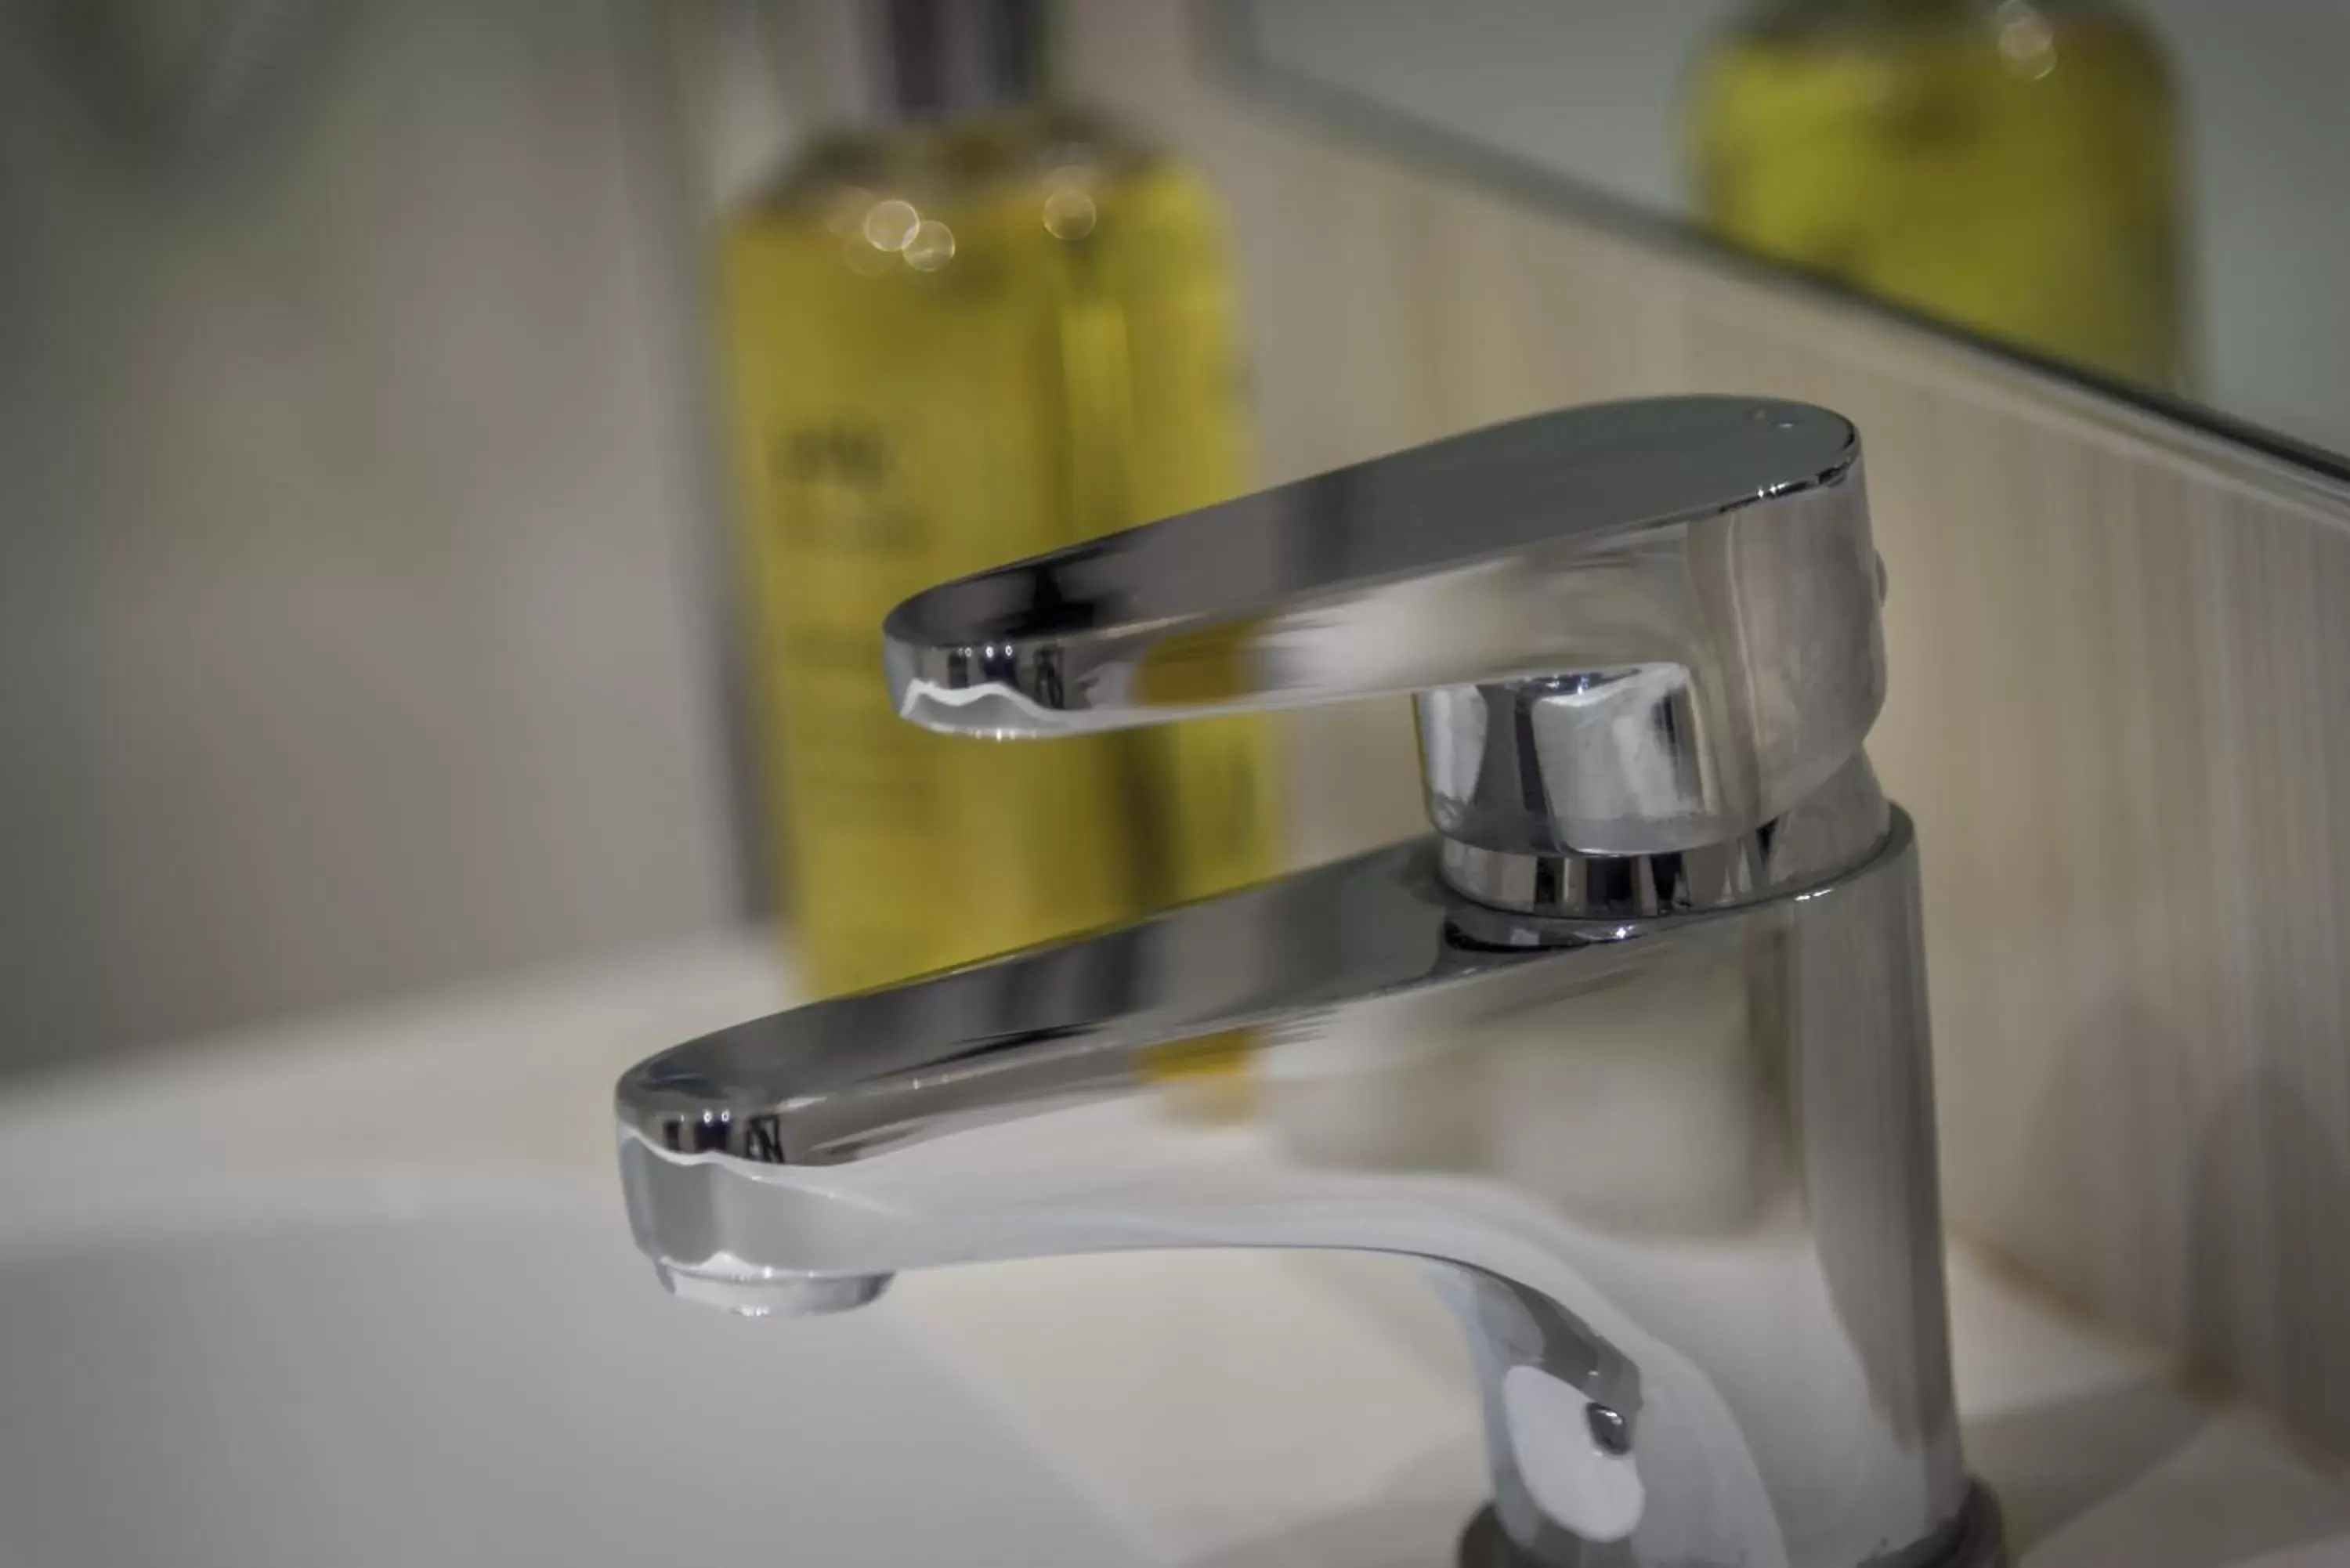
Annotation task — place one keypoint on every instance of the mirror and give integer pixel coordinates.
(2145, 193)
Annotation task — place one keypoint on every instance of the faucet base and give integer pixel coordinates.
(1975, 1539)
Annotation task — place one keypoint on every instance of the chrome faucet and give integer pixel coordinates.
(1633, 1048)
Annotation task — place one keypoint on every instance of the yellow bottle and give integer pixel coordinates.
(988, 327)
(2010, 168)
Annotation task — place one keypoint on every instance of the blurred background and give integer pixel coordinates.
(455, 455)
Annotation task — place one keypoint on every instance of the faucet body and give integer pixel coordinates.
(1633, 1051)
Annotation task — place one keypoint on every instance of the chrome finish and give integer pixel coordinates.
(1767, 1276)
(1672, 603)
(1833, 827)
(1661, 1120)
(779, 1292)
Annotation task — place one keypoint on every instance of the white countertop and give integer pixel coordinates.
(1228, 1408)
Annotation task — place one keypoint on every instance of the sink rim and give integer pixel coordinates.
(366, 1196)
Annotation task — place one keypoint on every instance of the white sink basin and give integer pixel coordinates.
(495, 1389)
(359, 1293)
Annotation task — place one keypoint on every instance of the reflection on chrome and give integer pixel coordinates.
(1633, 1051)
(2026, 41)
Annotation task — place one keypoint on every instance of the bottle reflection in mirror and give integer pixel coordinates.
(972, 325)
(2010, 168)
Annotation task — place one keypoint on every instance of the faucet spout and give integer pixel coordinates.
(1747, 1362)
(795, 1164)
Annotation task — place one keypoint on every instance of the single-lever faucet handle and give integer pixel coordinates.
(1635, 629)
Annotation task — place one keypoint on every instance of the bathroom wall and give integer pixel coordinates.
(356, 613)
(2120, 708)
